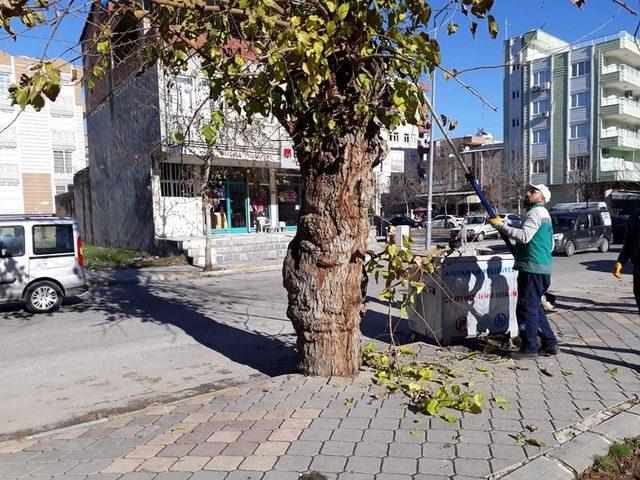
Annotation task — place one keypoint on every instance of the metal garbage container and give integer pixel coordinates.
(467, 296)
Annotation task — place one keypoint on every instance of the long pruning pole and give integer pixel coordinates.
(469, 175)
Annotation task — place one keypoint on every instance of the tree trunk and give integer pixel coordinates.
(206, 207)
(323, 269)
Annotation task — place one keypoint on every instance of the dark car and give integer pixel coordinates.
(402, 220)
(581, 229)
(619, 227)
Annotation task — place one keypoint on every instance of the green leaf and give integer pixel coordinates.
(493, 26)
(518, 437)
(532, 428)
(210, 135)
(450, 418)
(481, 368)
(178, 137)
(612, 371)
(102, 47)
(566, 373)
(392, 250)
(349, 402)
(20, 97)
(432, 407)
(456, 389)
(343, 10)
(478, 399)
(452, 28)
(406, 350)
(499, 400)
(415, 432)
(535, 442)
(331, 6)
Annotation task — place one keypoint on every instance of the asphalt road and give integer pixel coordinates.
(127, 346)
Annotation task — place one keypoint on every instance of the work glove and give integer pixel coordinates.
(617, 270)
(496, 222)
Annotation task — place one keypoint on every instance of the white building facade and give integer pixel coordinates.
(39, 151)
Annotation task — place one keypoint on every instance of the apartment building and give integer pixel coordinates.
(572, 114)
(402, 159)
(39, 151)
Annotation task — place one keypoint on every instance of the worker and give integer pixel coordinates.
(534, 244)
(631, 252)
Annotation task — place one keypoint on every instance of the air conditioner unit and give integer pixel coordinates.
(545, 114)
(546, 86)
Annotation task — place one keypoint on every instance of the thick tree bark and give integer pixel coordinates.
(323, 270)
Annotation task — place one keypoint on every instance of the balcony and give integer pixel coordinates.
(621, 109)
(615, 137)
(622, 77)
(622, 170)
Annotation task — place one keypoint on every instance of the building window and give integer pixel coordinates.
(184, 94)
(580, 130)
(63, 162)
(394, 137)
(515, 94)
(515, 122)
(177, 180)
(579, 163)
(580, 99)
(581, 68)
(540, 78)
(406, 138)
(396, 161)
(5, 81)
(541, 166)
(61, 189)
(541, 106)
(63, 136)
(541, 136)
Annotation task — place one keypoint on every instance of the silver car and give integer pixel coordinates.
(41, 261)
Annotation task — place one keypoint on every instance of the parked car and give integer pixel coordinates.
(619, 227)
(445, 221)
(582, 229)
(41, 261)
(403, 220)
(477, 227)
(511, 219)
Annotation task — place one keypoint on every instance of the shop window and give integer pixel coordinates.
(288, 203)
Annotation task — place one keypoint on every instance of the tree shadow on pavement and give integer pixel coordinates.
(233, 328)
(604, 360)
(605, 266)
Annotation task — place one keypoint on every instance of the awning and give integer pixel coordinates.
(472, 199)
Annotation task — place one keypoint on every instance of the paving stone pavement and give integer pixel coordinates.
(292, 424)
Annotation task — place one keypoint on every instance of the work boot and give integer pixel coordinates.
(548, 351)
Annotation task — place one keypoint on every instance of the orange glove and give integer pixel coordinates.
(617, 270)
(496, 222)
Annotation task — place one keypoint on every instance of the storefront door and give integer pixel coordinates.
(237, 199)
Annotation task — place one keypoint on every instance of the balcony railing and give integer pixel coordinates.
(621, 68)
(620, 101)
(619, 132)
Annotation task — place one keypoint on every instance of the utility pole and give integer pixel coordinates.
(427, 239)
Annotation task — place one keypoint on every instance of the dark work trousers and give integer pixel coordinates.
(532, 321)
(636, 283)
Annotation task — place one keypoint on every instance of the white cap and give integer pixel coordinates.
(544, 190)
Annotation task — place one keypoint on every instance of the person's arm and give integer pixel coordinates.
(530, 226)
(627, 247)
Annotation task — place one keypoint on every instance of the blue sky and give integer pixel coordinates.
(558, 17)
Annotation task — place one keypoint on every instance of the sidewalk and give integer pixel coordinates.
(575, 404)
(145, 275)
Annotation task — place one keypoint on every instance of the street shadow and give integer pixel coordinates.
(628, 307)
(599, 347)
(605, 266)
(604, 360)
(236, 337)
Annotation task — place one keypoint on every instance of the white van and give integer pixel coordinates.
(41, 261)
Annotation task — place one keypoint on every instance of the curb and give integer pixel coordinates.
(168, 277)
(578, 444)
